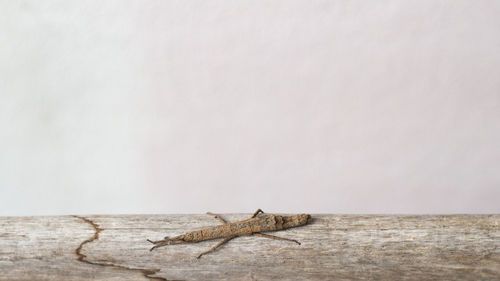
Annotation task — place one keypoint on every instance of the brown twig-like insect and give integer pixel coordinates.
(252, 226)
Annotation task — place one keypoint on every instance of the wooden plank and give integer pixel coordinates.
(334, 247)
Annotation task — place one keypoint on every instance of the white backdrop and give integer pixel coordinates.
(335, 106)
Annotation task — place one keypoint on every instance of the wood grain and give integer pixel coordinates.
(334, 247)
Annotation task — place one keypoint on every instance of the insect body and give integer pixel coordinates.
(252, 226)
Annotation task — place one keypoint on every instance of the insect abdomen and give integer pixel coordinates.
(206, 234)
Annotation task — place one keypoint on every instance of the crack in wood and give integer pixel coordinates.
(83, 258)
(336, 247)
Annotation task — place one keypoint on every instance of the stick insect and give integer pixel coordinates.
(255, 225)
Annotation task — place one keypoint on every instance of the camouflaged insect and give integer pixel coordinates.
(252, 226)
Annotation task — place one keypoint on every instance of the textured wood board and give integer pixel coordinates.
(334, 247)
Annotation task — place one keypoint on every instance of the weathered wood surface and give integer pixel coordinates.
(334, 247)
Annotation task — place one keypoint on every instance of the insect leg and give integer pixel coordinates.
(217, 217)
(257, 212)
(275, 237)
(216, 246)
(167, 241)
(157, 244)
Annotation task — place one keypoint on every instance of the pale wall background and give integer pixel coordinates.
(227, 106)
